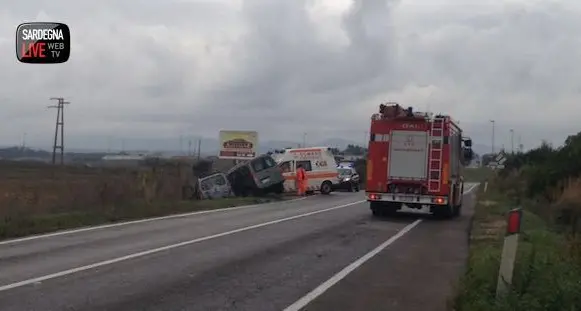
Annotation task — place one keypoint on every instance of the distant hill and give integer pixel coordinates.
(171, 146)
(23, 152)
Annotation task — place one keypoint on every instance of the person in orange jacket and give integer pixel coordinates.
(301, 180)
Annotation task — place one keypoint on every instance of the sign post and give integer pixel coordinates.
(509, 250)
(499, 161)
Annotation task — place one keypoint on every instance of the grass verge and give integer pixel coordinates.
(16, 225)
(478, 174)
(547, 272)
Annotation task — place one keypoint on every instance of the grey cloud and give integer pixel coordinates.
(290, 68)
(262, 66)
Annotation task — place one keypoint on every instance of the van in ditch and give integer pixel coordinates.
(256, 177)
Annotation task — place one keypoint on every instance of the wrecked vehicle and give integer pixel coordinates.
(214, 186)
(256, 177)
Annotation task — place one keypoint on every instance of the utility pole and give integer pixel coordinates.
(22, 148)
(511, 140)
(24, 140)
(199, 148)
(493, 123)
(304, 140)
(190, 148)
(366, 139)
(60, 124)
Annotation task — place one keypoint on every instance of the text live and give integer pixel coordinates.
(43, 43)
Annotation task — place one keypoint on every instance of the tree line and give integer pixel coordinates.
(551, 175)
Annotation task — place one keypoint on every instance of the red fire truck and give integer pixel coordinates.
(415, 159)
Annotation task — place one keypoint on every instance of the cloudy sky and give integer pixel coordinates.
(161, 68)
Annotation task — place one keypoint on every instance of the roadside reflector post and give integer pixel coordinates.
(509, 250)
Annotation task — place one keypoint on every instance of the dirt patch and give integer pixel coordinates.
(489, 230)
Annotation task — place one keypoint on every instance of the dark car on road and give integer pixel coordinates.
(349, 179)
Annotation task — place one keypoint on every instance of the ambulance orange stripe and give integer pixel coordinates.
(313, 175)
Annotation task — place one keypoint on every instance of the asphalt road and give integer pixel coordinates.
(311, 254)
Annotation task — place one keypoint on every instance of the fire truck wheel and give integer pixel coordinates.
(376, 209)
(326, 187)
(443, 211)
(457, 210)
(381, 209)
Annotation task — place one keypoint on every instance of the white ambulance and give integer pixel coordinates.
(318, 162)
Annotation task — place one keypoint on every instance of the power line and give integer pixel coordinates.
(60, 124)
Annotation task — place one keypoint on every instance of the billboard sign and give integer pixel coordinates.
(238, 145)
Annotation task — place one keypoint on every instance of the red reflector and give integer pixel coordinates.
(514, 221)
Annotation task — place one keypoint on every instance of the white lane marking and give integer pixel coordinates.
(471, 188)
(308, 298)
(165, 248)
(119, 224)
(305, 300)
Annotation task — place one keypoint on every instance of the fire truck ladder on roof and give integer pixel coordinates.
(436, 154)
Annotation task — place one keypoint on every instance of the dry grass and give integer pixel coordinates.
(489, 223)
(37, 188)
(38, 198)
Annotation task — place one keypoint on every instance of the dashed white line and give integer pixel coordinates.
(164, 248)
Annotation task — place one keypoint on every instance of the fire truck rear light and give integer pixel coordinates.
(439, 200)
(374, 196)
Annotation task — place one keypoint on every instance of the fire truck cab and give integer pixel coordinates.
(415, 159)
